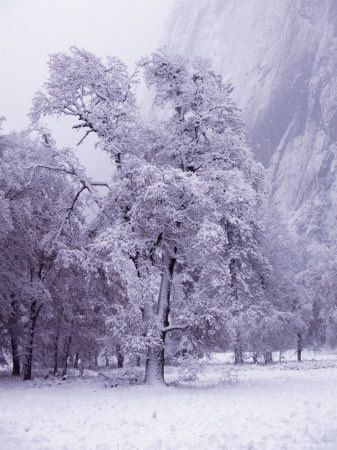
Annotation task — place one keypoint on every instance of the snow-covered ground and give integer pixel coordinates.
(290, 405)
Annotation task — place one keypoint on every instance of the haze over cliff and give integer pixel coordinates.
(281, 57)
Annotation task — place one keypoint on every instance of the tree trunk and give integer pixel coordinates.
(81, 368)
(106, 359)
(56, 355)
(255, 357)
(13, 326)
(120, 356)
(155, 360)
(299, 347)
(15, 356)
(238, 356)
(56, 342)
(268, 357)
(77, 356)
(27, 367)
(67, 345)
(154, 367)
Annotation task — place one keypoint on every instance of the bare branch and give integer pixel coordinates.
(71, 207)
(174, 327)
(100, 183)
(43, 166)
(86, 134)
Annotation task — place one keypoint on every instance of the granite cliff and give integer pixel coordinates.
(281, 57)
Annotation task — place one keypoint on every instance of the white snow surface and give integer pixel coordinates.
(289, 405)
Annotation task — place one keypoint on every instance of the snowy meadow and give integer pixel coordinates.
(284, 405)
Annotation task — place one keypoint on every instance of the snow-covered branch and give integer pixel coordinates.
(174, 327)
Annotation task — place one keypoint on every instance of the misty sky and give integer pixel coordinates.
(32, 29)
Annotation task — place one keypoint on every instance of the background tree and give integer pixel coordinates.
(280, 321)
(40, 197)
(320, 281)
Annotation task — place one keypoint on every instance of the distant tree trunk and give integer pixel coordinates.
(90, 360)
(155, 360)
(255, 357)
(268, 357)
(81, 367)
(77, 356)
(96, 359)
(106, 359)
(120, 356)
(138, 361)
(299, 346)
(66, 351)
(14, 335)
(56, 342)
(56, 354)
(15, 356)
(27, 367)
(238, 356)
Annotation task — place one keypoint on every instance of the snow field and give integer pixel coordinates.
(268, 408)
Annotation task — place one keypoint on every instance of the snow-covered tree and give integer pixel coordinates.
(99, 96)
(280, 320)
(41, 208)
(181, 204)
(320, 280)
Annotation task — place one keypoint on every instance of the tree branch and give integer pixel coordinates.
(100, 183)
(174, 327)
(86, 134)
(71, 208)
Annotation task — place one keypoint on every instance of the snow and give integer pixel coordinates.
(289, 405)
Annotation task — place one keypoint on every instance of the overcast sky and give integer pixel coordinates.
(32, 29)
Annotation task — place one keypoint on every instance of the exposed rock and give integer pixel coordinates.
(281, 57)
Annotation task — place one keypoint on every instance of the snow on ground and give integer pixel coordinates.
(291, 405)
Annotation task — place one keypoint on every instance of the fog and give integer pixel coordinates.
(31, 30)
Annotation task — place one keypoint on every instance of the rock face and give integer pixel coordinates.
(281, 57)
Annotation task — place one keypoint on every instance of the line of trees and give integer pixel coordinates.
(181, 253)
